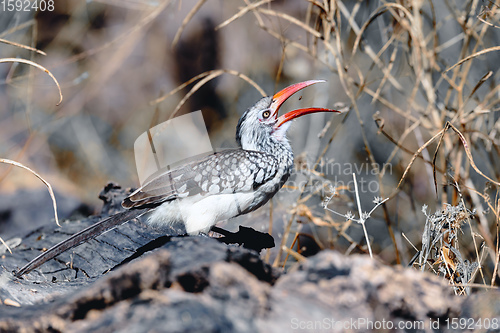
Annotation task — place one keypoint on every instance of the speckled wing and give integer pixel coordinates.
(229, 171)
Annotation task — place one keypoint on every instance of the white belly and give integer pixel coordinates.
(199, 213)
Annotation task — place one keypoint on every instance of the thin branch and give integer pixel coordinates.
(49, 187)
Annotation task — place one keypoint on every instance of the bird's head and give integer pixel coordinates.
(260, 124)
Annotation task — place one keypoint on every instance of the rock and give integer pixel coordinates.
(199, 284)
(357, 291)
(192, 284)
(200, 279)
(76, 267)
(25, 210)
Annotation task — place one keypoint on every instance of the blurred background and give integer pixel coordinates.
(389, 67)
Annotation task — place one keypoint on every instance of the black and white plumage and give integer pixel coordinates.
(218, 187)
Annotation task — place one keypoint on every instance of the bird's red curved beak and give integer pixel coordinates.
(280, 97)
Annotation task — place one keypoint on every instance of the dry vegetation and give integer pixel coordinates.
(419, 82)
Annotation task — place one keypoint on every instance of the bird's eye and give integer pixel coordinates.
(266, 114)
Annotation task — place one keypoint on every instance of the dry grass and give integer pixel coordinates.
(406, 72)
(437, 94)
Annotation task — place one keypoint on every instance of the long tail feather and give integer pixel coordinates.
(80, 237)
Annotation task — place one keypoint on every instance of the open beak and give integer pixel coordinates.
(280, 97)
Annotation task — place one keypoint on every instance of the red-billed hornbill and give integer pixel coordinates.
(216, 188)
